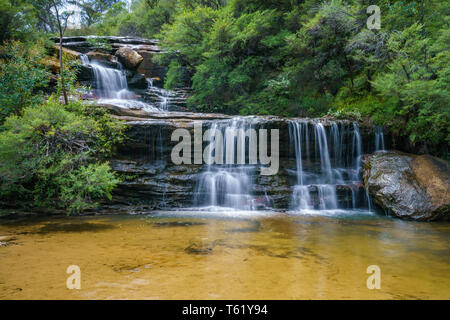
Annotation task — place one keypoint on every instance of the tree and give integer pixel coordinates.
(17, 20)
(22, 77)
(62, 16)
(91, 11)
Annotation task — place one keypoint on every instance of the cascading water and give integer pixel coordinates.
(227, 185)
(111, 83)
(111, 86)
(161, 96)
(379, 139)
(330, 178)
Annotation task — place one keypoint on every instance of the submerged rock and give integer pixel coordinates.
(6, 240)
(409, 186)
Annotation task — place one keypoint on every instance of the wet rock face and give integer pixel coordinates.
(136, 81)
(149, 68)
(129, 58)
(155, 182)
(96, 55)
(82, 44)
(136, 54)
(409, 186)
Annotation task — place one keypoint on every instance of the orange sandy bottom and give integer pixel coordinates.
(273, 257)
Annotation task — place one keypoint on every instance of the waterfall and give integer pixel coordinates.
(163, 97)
(84, 59)
(111, 83)
(356, 152)
(321, 145)
(295, 135)
(379, 139)
(111, 86)
(330, 178)
(228, 185)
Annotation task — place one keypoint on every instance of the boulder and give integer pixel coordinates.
(129, 58)
(409, 186)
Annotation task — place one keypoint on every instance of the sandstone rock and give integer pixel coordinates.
(137, 81)
(129, 58)
(150, 68)
(147, 66)
(409, 186)
(71, 53)
(96, 55)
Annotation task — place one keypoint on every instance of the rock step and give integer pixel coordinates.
(110, 39)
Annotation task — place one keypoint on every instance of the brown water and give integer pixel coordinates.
(268, 257)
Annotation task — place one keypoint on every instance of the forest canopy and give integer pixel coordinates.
(280, 57)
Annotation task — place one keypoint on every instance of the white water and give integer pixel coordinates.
(111, 87)
(379, 139)
(162, 96)
(228, 185)
(336, 164)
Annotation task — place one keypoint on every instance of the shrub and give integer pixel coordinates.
(54, 155)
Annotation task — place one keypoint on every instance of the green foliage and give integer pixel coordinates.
(282, 57)
(17, 20)
(174, 76)
(21, 77)
(146, 18)
(83, 186)
(314, 58)
(50, 151)
(100, 44)
(417, 89)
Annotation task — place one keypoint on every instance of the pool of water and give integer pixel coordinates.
(225, 255)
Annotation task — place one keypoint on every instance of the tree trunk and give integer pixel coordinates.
(61, 70)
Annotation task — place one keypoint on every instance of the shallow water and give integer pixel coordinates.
(227, 255)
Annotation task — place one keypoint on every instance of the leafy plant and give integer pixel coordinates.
(54, 154)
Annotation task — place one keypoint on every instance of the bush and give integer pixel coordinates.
(54, 155)
(174, 76)
(80, 188)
